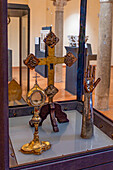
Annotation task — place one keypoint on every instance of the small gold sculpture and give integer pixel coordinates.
(87, 117)
(14, 93)
(36, 97)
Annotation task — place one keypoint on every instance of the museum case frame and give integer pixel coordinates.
(19, 11)
(100, 158)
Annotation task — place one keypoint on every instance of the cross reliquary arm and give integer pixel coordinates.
(51, 40)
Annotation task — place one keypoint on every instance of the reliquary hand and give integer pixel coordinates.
(89, 79)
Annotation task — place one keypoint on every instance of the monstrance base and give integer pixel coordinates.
(35, 147)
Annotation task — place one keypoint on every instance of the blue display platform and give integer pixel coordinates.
(42, 70)
(67, 141)
(71, 72)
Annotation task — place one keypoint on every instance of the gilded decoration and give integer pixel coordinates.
(51, 40)
(31, 61)
(14, 91)
(51, 91)
(36, 97)
(69, 59)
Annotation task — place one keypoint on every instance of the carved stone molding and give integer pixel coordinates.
(60, 4)
(106, 1)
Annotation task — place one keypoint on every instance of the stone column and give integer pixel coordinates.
(104, 55)
(59, 14)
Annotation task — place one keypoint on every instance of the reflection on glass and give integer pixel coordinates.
(17, 37)
(18, 46)
(36, 98)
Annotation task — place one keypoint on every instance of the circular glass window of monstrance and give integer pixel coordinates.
(37, 98)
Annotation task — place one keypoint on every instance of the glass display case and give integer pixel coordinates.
(68, 150)
(18, 45)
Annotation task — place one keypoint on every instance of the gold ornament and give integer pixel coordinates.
(14, 93)
(36, 97)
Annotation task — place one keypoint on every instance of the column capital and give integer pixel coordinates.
(60, 4)
(106, 1)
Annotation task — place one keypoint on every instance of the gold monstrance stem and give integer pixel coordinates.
(35, 146)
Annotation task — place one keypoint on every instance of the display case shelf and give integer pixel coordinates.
(66, 144)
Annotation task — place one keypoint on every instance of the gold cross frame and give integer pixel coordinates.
(51, 60)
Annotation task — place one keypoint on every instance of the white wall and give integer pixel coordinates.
(18, 1)
(72, 17)
(43, 14)
(24, 38)
(71, 20)
(13, 36)
(38, 19)
(13, 40)
(50, 14)
(92, 24)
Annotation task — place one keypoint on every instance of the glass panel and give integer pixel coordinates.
(13, 48)
(18, 49)
(24, 55)
(20, 131)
